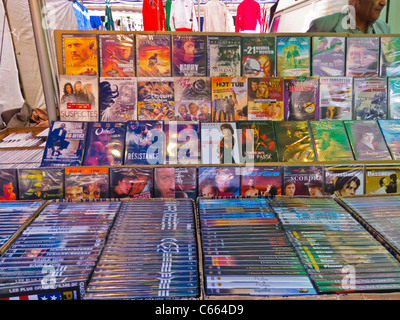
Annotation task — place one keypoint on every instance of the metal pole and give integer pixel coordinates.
(44, 62)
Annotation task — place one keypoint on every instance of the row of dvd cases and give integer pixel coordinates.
(181, 249)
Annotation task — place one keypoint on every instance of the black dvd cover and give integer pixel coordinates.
(131, 182)
(41, 183)
(175, 182)
(303, 180)
(219, 181)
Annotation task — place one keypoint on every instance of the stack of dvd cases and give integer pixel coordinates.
(13, 215)
(246, 252)
(55, 255)
(20, 158)
(339, 254)
(150, 253)
(382, 213)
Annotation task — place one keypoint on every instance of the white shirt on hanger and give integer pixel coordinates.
(184, 14)
(215, 17)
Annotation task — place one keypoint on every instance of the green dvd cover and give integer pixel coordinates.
(330, 141)
(294, 141)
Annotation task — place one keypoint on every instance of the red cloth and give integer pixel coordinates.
(247, 15)
(153, 16)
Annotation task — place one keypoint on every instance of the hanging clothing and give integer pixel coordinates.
(183, 16)
(215, 17)
(95, 22)
(248, 16)
(82, 16)
(109, 22)
(153, 16)
(168, 13)
(264, 19)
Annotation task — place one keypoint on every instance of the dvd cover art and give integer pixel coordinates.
(224, 59)
(189, 56)
(370, 99)
(117, 55)
(118, 99)
(79, 53)
(79, 98)
(219, 182)
(362, 57)
(261, 181)
(65, 144)
(153, 54)
(131, 182)
(156, 99)
(303, 180)
(344, 181)
(301, 98)
(294, 141)
(382, 179)
(175, 182)
(8, 184)
(183, 142)
(86, 183)
(394, 98)
(390, 56)
(145, 143)
(193, 99)
(41, 183)
(105, 144)
(336, 98)
(293, 57)
(220, 143)
(258, 141)
(265, 99)
(229, 99)
(328, 56)
(391, 134)
(258, 57)
(330, 141)
(366, 140)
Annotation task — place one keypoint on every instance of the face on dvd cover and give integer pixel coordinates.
(117, 55)
(8, 184)
(336, 98)
(175, 182)
(390, 56)
(257, 181)
(41, 183)
(303, 180)
(382, 179)
(344, 181)
(189, 55)
(224, 56)
(219, 182)
(362, 56)
(86, 183)
(131, 182)
(118, 99)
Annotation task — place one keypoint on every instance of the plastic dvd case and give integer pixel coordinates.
(41, 183)
(224, 56)
(258, 57)
(303, 180)
(336, 98)
(131, 182)
(260, 181)
(219, 182)
(175, 182)
(293, 56)
(328, 56)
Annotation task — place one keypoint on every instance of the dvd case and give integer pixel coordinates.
(260, 181)
(362, 57)
(131, 182)
(9, 184)
(65, 144)
(258, 141)
(219, 182)
(366, 140)
(258, 57)
(303, 180)
(153, 55)
(118, 99)
(156, 99)
(220, 143)
(370, 98)
(189, 56)
(301, 98)
(86, 183)
(229, 96)
(390, 57)
(193, 99)
(294, 141)
(328, 56)
(394, 98)
(175, 182)
(182, 142)
(117, 55)
(265, 99)
(293, 56)
(105, 144)
(391, 134)
(41, 183)
(224, 56)
(79, 98)
(79, 54)
(145, 143)
(336, 98)
(330, 141)
(344, 181)
(382, 179)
